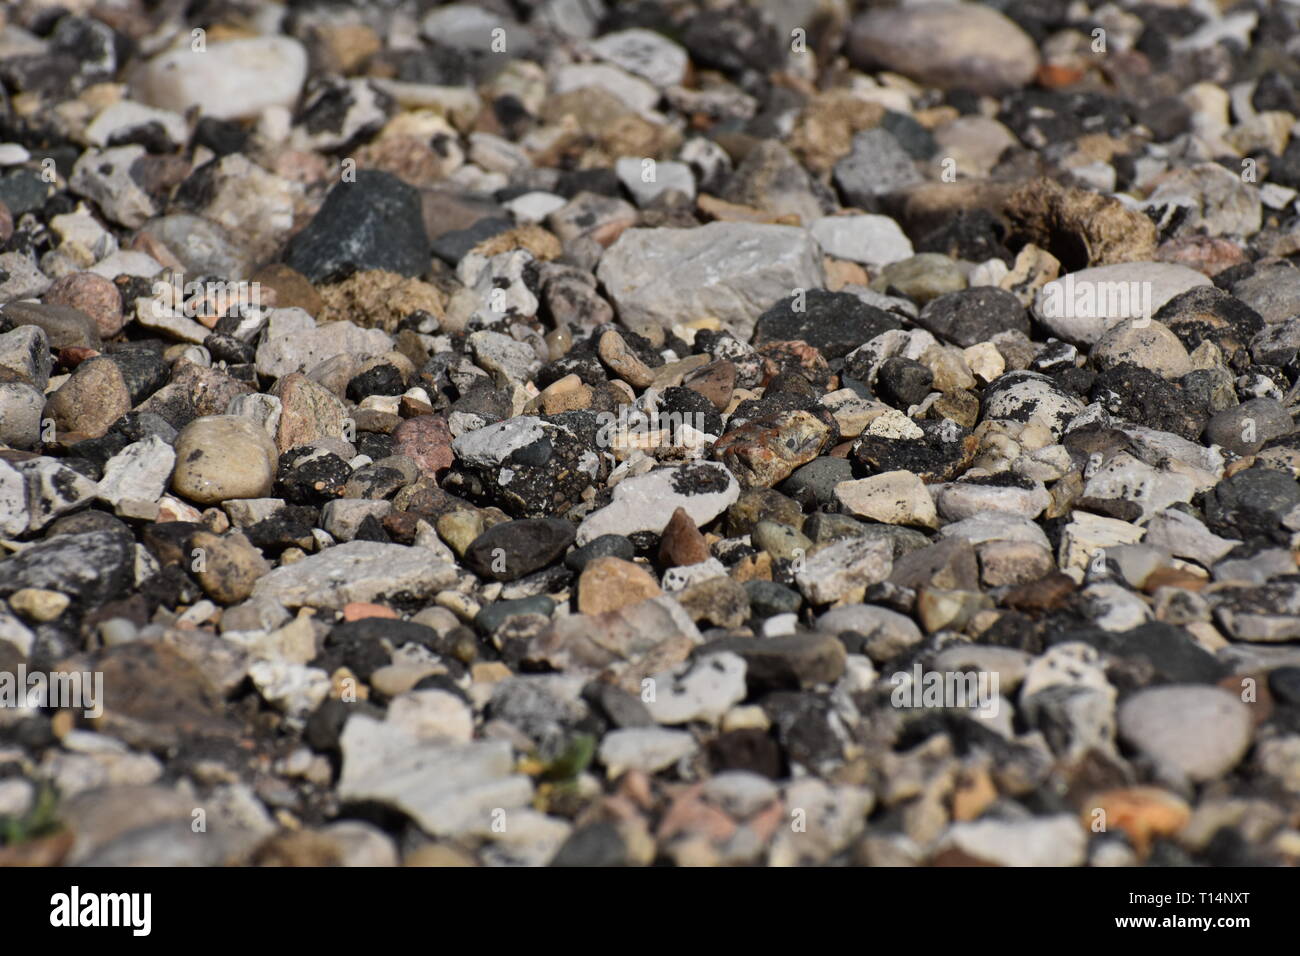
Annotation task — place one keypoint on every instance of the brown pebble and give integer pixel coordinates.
(1045, 594)
(94, 295)
(621, 360)
(715, 381)
(611, 584)
(681, 542)
(427, 439)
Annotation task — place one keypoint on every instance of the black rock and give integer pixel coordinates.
(513, 549)
(767, 598)
(606, 546)
(834, 323)
(813, 485)
(1135, 394)
(306, 476)
(972, 316)
(752, 749)
(372, 223)
(1252, 503)
(683, 406)
(975, 235)
(382, 379)
(223, 137)
(903, 382)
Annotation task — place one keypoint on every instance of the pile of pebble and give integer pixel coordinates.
(566, 432)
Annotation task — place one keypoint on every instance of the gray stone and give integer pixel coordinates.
(356, 571)
(876, 166)
(1198, 731)
(448, 789)
(105, 177)
(947, 45)
(874, 241)
(1081, 306)
(733, 271)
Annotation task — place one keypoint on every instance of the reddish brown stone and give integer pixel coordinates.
(681, 542)
(94, 295)
(1045, 594)
(427, 439)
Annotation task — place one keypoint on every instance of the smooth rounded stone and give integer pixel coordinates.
(605, 546)
(971, 316)
(1200, 731)
(894, 497)
(874, 241)
(233, 79)
(64, 327)
(124, 117)
(1149, 344)
(1250, 502)
(1024, 497)
(886, 633)
(647, 502)
(1245, 428)
(648, 749)
(1081, 306)
(21, 407)
(779, 540)
(1022, 396)
(1035, 842)
(373, 222)
(91, 400)
(512, 549)
(202, 246)
(611, 584)
(92, 295)
(224, 456)
(974, 143)
(923, 277)
(948, 45)
(729, 270)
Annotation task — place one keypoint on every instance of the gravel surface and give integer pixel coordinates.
(576, 433)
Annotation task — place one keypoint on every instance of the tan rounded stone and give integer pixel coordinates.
(224, 456)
